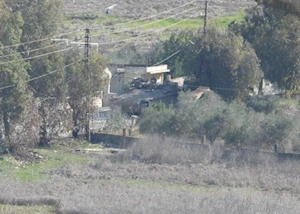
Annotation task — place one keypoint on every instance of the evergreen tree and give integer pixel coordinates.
(85, 81)
(274, 31)
(227, 64)
(13, 74)
(41, 20)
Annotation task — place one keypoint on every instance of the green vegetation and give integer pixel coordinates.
(260, 123)
(145, 24)
(83, 19)
(27, 209)
(273, 30)
(185, 161)
(192, 23)
(224, 21)
(35, 94)
(229, 61)
(51, 159)
(158, 172)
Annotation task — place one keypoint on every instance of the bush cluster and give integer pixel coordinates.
(260, 122)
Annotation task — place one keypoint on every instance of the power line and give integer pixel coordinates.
(47, 74)
(173, 54)
(101, 34)
(38, 40)
(167, 58)
(205, 18)
(149, 17)
(33, 50)
(153, 16)
(61, 41)
(150, 23)
(38, 77)
(147, 34)
(34, 57)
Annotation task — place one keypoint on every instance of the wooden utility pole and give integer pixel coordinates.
(205, 18)
(87, 48)
(87, 44)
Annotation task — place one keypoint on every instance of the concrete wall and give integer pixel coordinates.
(118, 141)
(122, 77)
(159, 77)
(110, 140)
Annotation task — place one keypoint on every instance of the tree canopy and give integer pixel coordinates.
(84, 79)
(33, 74)
(220, 60)
(12, 72)
(274, 33)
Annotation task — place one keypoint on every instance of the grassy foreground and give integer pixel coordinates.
(154, 176)
(27, 209)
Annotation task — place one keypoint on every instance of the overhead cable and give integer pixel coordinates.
(34, 57)
(38, 77)
(33, 50)
(145, 18)
(147, 34)
(150, 23)
(38, 40)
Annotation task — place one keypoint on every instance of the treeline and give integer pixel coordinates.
(259, 123)
(266, 44)
(230, 61)
(43, 91)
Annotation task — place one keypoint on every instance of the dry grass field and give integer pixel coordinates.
(142, 8)
(136, 25)
(154, 176)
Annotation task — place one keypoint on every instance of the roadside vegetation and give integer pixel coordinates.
(195, 156)
(261, 122)
(153, 176)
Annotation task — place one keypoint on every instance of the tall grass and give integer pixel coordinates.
(136, 197)
(162, 175)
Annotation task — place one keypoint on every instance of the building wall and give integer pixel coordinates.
(158, 77)
(122, 77)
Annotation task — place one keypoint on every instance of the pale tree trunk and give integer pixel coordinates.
(7, 133)
(87, 121)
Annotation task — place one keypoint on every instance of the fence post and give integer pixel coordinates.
(163, 136)
(124, 139)
(204, 139)
(275, 148)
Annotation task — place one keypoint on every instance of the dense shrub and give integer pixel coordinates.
(266, 104)
(259, 123)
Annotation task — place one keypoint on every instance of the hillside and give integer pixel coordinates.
(115, 36)
(142, 8)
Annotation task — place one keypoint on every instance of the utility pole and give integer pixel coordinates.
(87, 48)
(205, 18)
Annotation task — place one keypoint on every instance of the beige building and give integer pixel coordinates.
(122, 75)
